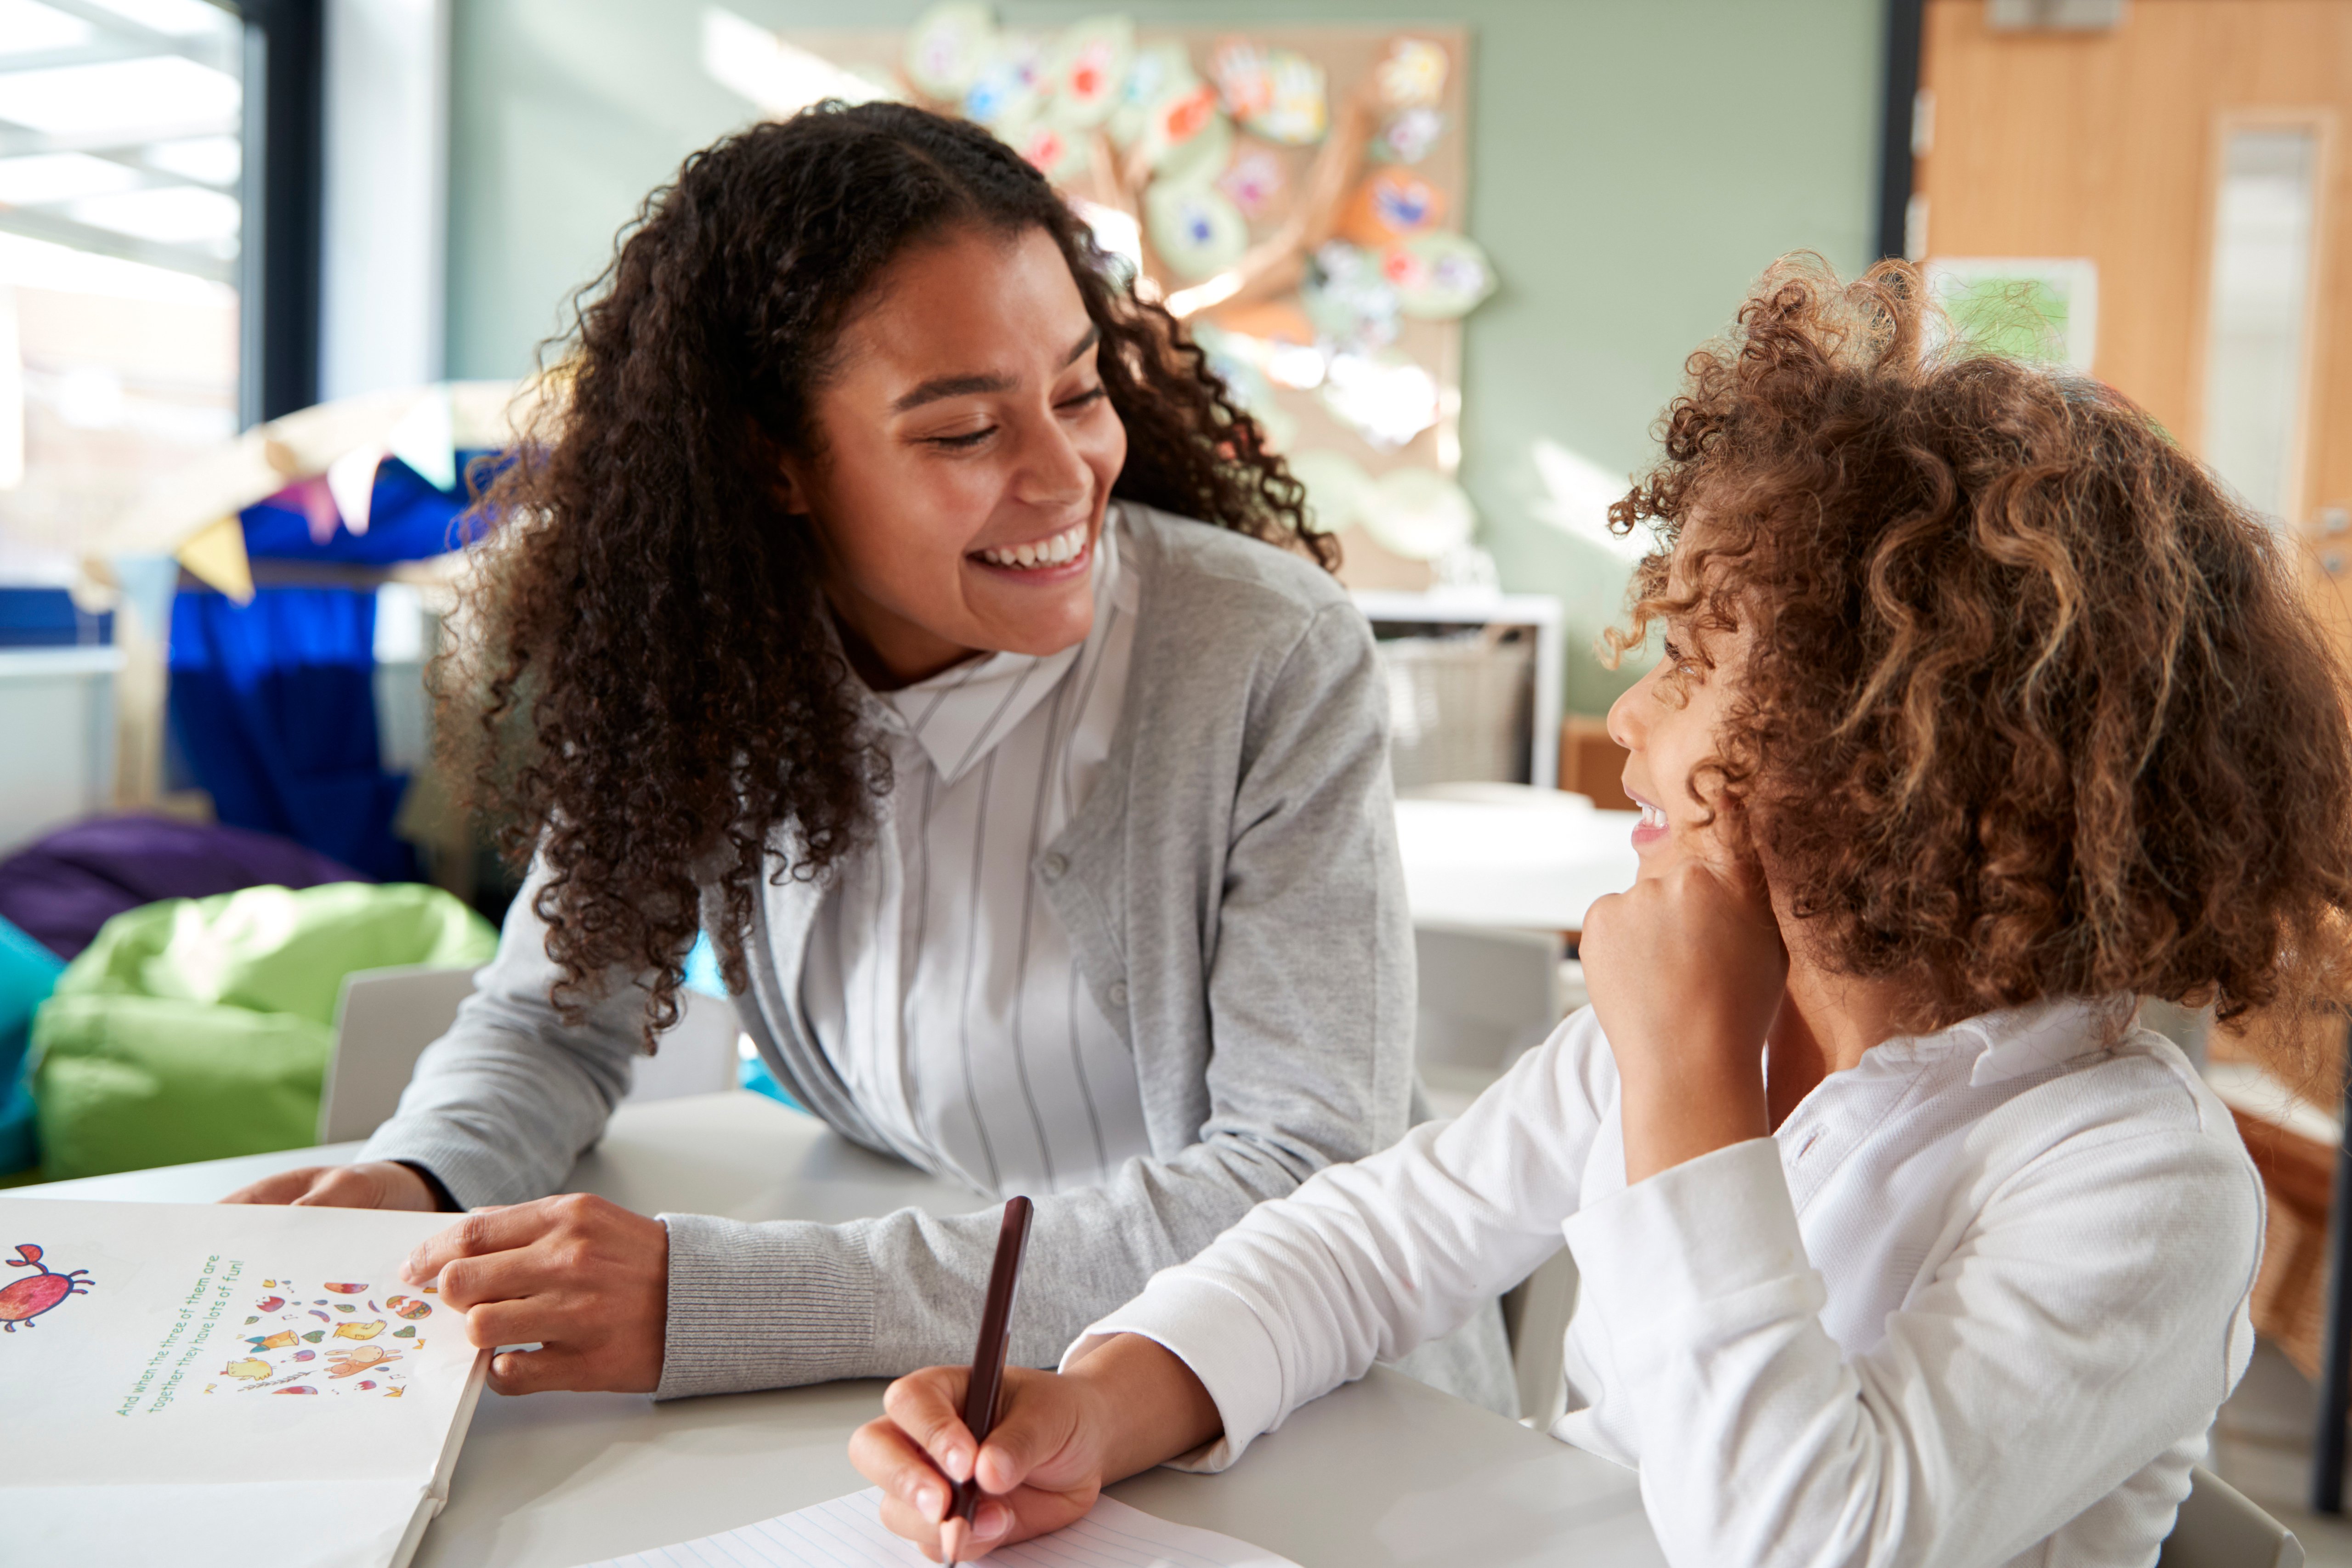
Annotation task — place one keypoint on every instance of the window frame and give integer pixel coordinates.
(283, 190)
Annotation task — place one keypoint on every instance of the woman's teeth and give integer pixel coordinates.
(1059, 551)
(1651, 816)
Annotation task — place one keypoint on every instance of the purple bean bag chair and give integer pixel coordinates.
(62, 888)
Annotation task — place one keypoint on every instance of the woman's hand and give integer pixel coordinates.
(586, 1280)
(1687, 970)
(375, 1184)
(1059, 1439)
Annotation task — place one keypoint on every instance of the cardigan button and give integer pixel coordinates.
(1118, 993)
(1053, 867)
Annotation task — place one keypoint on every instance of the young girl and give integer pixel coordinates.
(900, 599)
(1984, 710)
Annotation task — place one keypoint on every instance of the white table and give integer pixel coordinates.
(1510, 856)
(1383, 1474)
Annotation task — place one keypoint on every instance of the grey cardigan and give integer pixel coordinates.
(1233, 892)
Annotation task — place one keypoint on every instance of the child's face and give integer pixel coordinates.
(1668, 722)
(965, 426)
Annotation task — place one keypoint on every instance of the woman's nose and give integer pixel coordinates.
(1054, 471)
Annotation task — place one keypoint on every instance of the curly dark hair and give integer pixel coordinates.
(2031, 705)
(658, 699)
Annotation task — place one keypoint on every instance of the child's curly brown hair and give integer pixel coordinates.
(2031, 705)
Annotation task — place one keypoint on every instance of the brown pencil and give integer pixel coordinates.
(980, 1394)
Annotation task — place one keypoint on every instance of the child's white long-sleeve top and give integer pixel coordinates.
(1975, 1302)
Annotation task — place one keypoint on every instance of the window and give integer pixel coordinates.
(121, 154)
(2258, 316)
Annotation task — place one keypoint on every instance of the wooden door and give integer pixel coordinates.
(2117, 146)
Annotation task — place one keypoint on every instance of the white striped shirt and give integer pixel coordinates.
(937, 980)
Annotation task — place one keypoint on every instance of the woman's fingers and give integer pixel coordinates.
(470, 1282)
(337, 1189)
(523, 1320)
(550, 1369)
(583, 1277)
(378, 1183)
(284, 1186)
(484, 1230)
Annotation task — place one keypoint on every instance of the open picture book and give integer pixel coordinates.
(198, 1383)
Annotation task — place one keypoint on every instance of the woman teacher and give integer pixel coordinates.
(902, 600)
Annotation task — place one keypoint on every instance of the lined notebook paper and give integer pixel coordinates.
(847, 1533)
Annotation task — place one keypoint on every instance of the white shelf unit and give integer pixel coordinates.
(1437, 611)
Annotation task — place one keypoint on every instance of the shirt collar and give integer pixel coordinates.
(957, 715)
(2011, 1042)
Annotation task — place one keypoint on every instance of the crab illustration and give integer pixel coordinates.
(28, 1297)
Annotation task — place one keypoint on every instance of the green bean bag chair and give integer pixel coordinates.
(199, 1027)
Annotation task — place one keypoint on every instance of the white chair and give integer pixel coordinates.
(2218, 1527)
(1534, 1318)
(385, 1018)
(700, 1055)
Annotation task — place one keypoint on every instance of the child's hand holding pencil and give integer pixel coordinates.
(972, 1458)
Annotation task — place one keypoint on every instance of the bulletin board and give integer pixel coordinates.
(1296, 193)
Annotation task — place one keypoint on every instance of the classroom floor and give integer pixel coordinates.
(2261, 1446)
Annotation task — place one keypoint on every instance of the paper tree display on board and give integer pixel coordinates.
(1293, 194)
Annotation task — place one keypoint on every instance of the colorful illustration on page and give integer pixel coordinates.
(331, 1338)
(23, 1300)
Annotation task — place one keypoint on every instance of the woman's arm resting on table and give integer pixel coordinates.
(1060, 1439)
(500, 1106)
(584, 1280)
(499, 1109)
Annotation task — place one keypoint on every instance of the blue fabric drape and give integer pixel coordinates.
(273, 704)
(408, 519)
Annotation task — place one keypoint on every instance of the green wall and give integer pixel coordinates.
(1634, 164)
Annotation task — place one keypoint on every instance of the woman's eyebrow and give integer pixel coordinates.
(938, 387)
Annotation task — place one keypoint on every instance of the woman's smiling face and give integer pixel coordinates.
(966, 452)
